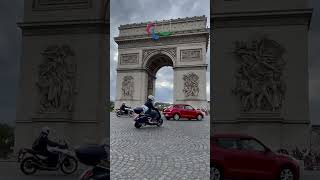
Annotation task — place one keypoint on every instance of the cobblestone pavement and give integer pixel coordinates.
(177, 150)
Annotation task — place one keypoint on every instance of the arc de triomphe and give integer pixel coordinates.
(140, 57)
(63, 74)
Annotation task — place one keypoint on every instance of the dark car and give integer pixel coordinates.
(177, 111)
(234, 156)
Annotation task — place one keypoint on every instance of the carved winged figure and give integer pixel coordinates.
(259, 77)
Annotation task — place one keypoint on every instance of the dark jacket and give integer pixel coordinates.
(123, 107)
(150, 106)
(41, 143)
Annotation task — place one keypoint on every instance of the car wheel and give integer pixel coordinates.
(286, 174)
(215, 173)
(176, 117)
(199, 117)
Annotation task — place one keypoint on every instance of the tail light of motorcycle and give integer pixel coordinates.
(86, 174)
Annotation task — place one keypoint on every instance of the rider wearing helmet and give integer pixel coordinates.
(123, 108)
(42, 142)
(151, 108)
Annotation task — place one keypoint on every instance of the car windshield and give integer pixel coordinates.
(188, 107)
(251, 144)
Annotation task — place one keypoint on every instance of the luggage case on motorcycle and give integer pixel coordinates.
(91, 155)
(138, 110)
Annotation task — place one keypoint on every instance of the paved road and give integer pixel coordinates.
(177, 150)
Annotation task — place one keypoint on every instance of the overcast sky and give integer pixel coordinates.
(137, 11)
(123, 12)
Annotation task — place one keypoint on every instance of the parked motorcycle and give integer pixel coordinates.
(120, 112)
(31, 161)
(97, 157)
(143, 119)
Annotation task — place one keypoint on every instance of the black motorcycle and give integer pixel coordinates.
(97, 157)
(120, 112)
(144, 119)
(31, 161)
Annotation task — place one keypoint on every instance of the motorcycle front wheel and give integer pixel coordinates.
(28, 166)
(131, 114)
(69, 165)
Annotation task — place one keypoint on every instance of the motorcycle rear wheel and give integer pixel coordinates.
(27, 166)
(137, 125)
(69, 161)
(118, 114)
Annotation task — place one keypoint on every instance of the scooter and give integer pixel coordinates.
(31, 161)
(97, 157)
(143, 119)
(120, 112)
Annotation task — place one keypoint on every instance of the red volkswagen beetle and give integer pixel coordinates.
(235, 156)
(177, 111)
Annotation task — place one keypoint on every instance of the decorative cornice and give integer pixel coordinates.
(64, 27)
(164, 22)
(201, 66)
(262, 18)
(177, 33)
(172, 40)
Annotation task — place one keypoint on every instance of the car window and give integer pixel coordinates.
(227, 143)
(178, 106)
(188, 107)
(251, 144)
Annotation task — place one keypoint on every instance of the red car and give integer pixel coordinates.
(235, 156)
(177, 111)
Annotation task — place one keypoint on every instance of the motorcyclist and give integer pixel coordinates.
(42, 142)
(123, 108)
(151, 109)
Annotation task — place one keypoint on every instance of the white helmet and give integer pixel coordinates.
(45, 130)
(151, 97)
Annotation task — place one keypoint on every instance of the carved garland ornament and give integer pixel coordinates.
(259, 77)
(171, 51)
(191, 85)
(56, 79)
(127, 87)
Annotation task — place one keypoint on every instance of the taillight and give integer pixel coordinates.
(86, 175)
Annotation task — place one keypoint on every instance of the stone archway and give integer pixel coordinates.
(153, 65)
(140, 58)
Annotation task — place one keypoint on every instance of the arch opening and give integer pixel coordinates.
(152, 66)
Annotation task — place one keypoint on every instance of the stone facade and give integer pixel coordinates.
(62, 70)
(260, 70)
(184, 50)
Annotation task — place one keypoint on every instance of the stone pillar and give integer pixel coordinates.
(190, 86)
(260, 70)
(63, 75)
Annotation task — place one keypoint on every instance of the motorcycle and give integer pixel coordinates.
(143, 119)
(120, 112)
(31, 161)
(97, 157)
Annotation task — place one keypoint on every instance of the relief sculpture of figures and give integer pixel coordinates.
(191, 85)
(259, 77)
(127, 87)
(56, 80)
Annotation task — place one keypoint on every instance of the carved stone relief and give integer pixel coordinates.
(132, 58)
(171, 51)
(191, 54)
(127, 87)
(259, 77)
(191, 85)
(56, 79)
